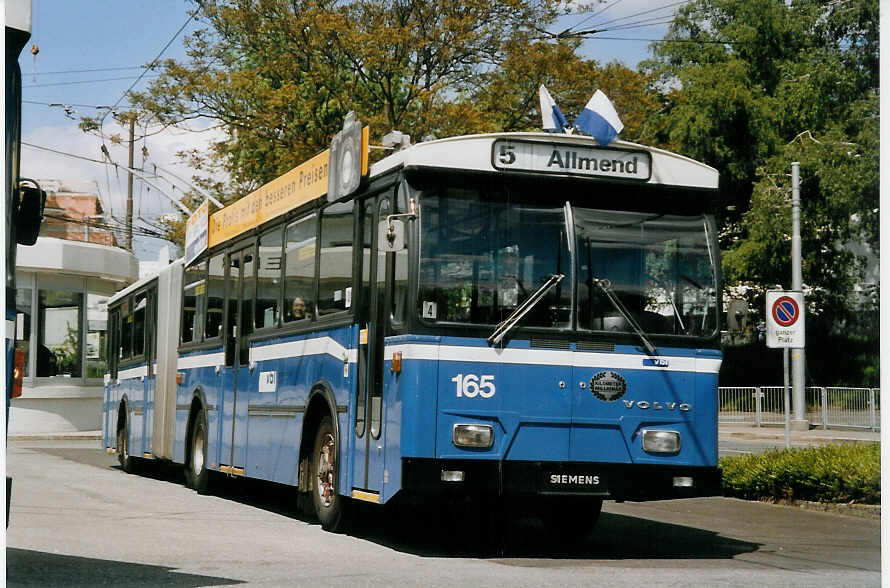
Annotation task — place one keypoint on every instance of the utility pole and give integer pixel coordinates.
(132, 117)
(799, 420)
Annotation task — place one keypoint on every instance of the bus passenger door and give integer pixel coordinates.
(368, 459)
(151, 359)
(236, 376)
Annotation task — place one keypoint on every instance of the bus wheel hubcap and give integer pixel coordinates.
(326, 471)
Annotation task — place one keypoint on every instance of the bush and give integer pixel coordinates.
(833, 473)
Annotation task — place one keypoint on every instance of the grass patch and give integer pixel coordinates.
(848, 473)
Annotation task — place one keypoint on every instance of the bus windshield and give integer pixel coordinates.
(484, 251)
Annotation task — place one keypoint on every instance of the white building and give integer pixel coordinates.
(62, 289)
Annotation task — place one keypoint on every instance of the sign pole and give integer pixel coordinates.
(798, 357)
(785, 329)
(787, 398)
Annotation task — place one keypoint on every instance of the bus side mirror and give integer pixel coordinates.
(29, 216)
(391, 235)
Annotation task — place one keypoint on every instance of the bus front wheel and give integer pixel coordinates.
(329, 505)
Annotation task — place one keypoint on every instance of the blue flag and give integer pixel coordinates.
(599, 119)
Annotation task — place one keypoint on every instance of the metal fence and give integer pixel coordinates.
(825, 407)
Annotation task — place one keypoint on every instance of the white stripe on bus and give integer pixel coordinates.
(135, 372)
(302, 348)
(198, 361)
(433, 352)
(551, 357)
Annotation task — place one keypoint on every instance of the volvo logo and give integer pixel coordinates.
(608, 386)
(656, 405)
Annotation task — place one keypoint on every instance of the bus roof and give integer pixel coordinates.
(143, 281)
(564, 153)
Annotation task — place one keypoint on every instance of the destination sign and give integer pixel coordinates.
(571, 159)
(196, 232)
(304, 183)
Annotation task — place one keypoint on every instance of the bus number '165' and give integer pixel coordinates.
(471, 385)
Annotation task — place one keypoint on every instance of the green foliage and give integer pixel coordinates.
(769, 83)
(278, 76)
(833, 473)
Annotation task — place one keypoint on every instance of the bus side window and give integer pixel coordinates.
(126, 341)
(299, 269)
(193, 293)
(268, 280)
(335, 264)
(139, 307)
(216, 291)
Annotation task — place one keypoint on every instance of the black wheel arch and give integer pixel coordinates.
(198, 402)
(123, 414)
(321, 402)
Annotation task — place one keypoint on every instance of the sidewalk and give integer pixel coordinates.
(813, 436)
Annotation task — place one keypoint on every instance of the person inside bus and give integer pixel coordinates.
(298, 309)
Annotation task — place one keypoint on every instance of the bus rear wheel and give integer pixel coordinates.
(329, 505)
(127, 461)
(196, 475)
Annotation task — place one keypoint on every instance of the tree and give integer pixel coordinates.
(279, 75)
(508, 96)
(751, 87)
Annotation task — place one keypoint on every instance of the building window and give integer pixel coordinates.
(23, 325)
(97, 328)
(60, 333)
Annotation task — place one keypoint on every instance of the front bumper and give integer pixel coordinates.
(606, 480)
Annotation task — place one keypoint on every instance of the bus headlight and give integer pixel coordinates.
(655, 441)
(473, 436)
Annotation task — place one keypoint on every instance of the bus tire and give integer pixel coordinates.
(329, 505)
(127, 461)
(196, 475)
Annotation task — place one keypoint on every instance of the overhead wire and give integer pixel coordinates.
(76, 82)
(153, 62)
(89, 70)
(135, 172)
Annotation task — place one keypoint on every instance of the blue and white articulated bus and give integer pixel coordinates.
(522, 315)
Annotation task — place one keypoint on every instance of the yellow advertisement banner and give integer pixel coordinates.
(300, 185)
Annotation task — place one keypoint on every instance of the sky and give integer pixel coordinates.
(113, 38)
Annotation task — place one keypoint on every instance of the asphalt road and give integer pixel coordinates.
(77, 520)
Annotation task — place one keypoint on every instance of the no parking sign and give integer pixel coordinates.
(784, 319)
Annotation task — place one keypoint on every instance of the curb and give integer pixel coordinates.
(798, 438)
(72, 436)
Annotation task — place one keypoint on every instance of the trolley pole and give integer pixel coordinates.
(798, 357)
(130, 184)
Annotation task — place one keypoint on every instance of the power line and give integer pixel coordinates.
(92, 70)
(590, 16)
(135, 172)
(55, 104)
(72, 83)
(152, 64)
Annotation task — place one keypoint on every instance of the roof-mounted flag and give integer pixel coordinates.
(552, 119)
(600, 119)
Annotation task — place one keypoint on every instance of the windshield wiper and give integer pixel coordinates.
(508, 323)
(606, 287)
